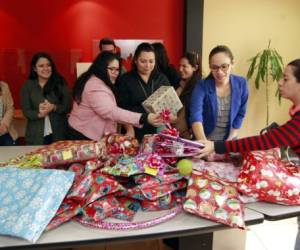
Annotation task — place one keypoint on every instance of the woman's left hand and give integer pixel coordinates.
(209, 148)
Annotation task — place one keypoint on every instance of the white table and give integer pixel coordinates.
(73, 234)
(272, 211)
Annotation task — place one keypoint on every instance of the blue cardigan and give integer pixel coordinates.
(204, 104)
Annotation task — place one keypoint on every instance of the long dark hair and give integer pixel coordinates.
(98, 69)
(161, 56)
(55, 79)
(296, 68)
(142, 47)
(194, 60)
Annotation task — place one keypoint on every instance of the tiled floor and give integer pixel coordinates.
(272, 235)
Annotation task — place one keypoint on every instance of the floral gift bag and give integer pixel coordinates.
(29, 199)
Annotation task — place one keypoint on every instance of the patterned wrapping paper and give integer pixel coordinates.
(126, 166)
(128, 208)
(223, 170)
(117, 145)
(266, 177)
(100, 209)
(29, 199)
(168, 201)
(163, 98)
(60, 154)
(152, 188)
(214, 199)
(68, 209)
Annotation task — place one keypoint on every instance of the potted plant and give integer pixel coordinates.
(267, 67)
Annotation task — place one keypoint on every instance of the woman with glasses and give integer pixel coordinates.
(95, 111)
(286, 135)
(138, 84)
(45, 101)
(218, 103)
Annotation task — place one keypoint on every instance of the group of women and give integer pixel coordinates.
(213, 112)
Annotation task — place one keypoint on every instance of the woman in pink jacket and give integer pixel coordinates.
(95, 111)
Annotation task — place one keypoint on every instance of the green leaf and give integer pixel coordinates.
(253, 66)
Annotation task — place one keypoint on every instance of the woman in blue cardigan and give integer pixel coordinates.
(218, 103)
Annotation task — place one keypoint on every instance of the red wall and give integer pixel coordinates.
(66, 29)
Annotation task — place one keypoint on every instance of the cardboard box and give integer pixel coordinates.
(163, 98)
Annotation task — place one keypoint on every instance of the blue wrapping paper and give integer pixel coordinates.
(29, 199)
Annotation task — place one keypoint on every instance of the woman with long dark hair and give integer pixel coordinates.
(95, 111)
(190, 73)
(45, 101)
(139, 83)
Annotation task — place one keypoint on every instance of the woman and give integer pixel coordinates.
(286, 135)
(218, 104)
(190, 73)
(8, 134)
(45, 101)
(138, 84)
(95, 111)
(163, 64)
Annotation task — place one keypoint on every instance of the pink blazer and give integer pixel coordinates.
(98, 112)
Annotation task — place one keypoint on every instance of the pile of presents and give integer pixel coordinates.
(116, 177)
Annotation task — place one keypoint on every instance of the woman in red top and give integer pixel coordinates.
(286, 135)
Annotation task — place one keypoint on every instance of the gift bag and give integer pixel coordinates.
(214, 199)
(266, 177)
(29, 199)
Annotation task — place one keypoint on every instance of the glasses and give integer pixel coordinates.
(113, 69)
(224, 67)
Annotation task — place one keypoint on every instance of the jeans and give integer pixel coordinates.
(7, 140)
(297, 243)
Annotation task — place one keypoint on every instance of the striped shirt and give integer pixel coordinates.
(285, 135)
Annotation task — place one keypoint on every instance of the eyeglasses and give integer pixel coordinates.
(224, 67)
(113, 69)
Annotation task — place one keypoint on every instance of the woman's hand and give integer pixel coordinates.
(3, 129)
(173, 118)
(209, 148)
(130, 131)
(155, 119)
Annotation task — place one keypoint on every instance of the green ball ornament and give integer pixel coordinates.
(185, 166)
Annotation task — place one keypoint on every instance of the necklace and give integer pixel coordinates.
(145, 93)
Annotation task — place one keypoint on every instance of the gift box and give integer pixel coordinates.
(163, 98)
(266, 177)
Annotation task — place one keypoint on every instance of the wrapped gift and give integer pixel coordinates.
(266, 177)
(165, 202)
(214, 199)
(29, 199)
(223, 170)
(59, 154)
(163, 98)
(128, 208)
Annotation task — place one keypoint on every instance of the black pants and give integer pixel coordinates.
(73, 134)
